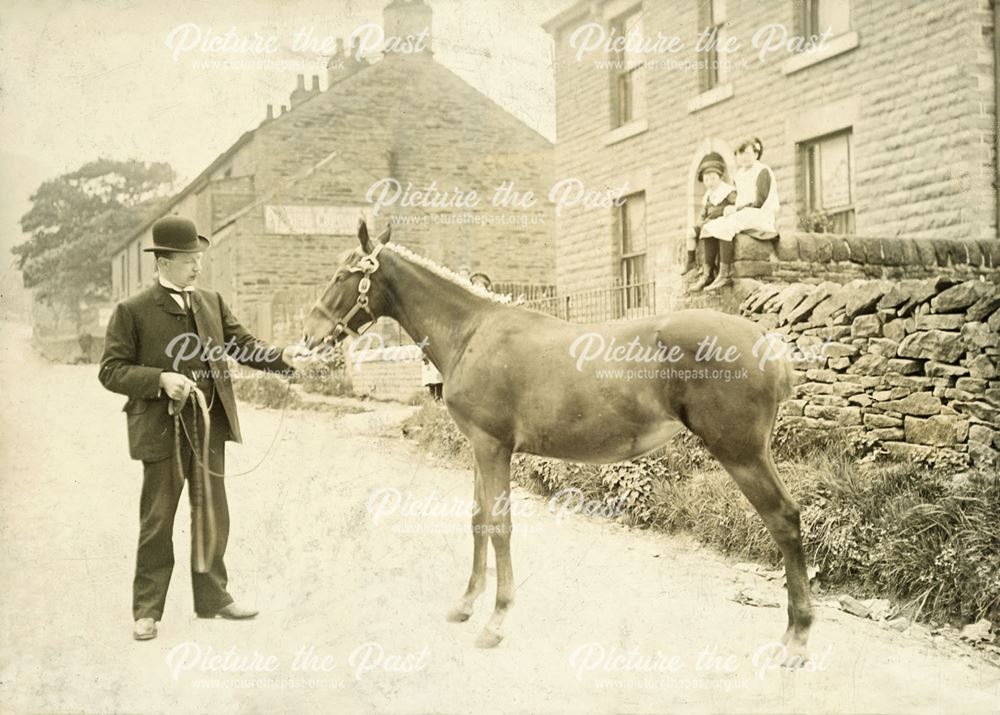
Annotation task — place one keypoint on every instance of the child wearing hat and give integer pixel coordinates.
(718, 195)
(756, 207)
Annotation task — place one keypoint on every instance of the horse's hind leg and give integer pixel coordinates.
(758, 479)
(477, 581)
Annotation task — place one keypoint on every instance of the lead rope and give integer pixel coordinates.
(267, 452)
(203, 531)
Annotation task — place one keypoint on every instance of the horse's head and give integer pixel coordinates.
(354, 297)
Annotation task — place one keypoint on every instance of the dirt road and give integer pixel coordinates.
(353, 588)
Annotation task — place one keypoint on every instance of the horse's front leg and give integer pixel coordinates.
(493, 459)
(477, 581)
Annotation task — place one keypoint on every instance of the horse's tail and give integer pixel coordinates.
(786, 379)
(775, 360)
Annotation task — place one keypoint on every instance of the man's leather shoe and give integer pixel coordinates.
(144, 629)
(233, 612)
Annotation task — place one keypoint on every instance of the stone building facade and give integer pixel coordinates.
(885, 128)
(281, 205)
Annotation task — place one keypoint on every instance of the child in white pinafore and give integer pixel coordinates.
(756, 207)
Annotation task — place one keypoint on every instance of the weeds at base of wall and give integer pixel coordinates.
(263, 390)
(327, 379)
(434, 430)
(925, 537)
(319, 377)
(273, 392)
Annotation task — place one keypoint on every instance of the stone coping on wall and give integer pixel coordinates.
(840, 258)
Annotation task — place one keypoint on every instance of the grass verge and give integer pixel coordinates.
(928, 538)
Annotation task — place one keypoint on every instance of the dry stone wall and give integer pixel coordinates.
(911, 366)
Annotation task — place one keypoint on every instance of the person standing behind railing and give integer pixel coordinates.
(482, 280)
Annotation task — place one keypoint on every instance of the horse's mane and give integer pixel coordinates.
(446, 273)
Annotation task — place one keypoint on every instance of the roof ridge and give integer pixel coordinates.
(493, 102)
(203, 175)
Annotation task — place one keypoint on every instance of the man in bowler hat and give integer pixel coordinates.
(160, 344)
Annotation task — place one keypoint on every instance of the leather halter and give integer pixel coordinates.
(367, 265)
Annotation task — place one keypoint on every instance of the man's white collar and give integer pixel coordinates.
(167, 284)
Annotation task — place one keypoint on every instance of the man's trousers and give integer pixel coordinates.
(161, 492)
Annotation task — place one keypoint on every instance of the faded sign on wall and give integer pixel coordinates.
(314, 220)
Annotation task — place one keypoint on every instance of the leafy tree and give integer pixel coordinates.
(76, 218)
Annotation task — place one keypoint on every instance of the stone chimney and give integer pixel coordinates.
(344, 63)
(300, 92)
(407, 26)
(270, 114)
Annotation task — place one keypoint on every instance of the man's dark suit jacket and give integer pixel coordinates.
(136, 352)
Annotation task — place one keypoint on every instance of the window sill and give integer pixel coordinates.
(626, 131)
(837, 46)
(712, 96)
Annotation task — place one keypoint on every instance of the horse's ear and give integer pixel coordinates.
(366, 244)
(385, 235)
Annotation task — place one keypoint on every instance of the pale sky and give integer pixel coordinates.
(81, 80)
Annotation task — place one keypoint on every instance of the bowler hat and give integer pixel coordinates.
(711, 164)
(178, 235)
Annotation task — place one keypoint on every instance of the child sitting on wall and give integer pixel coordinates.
(756, 208)
(718, 195)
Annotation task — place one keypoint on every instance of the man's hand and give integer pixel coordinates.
(175, 385)
(728, 210)
(294, 352)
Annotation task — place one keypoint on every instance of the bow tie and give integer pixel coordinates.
(180, 291)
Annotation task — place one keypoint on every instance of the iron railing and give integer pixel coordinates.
(530, 291)
(596, 306)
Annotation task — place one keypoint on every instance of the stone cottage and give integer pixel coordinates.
(282, 203)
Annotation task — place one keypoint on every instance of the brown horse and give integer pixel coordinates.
(516, 380)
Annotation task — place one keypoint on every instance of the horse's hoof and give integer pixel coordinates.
(488, 638)
(457, 615)
(796, 657)
(796, 654)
